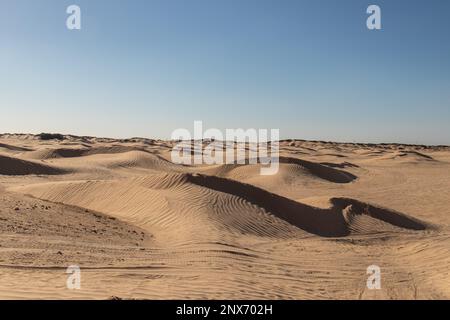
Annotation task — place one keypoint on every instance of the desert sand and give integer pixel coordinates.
(142, 227)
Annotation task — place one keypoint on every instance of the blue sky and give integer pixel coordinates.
(146, 67)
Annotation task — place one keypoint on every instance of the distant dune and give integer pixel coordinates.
(13, 166)
(140, 226)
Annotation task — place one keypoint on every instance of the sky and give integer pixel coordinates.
(311, 68)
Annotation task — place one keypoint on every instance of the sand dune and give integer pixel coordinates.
(129, 159)
(8, 147)
(13, 166)
(140, 226)
(52, 153)
(401, 156)
(291, 167)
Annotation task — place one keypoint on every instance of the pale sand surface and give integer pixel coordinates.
(140, 226)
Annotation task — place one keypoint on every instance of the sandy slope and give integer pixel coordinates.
(140, 226)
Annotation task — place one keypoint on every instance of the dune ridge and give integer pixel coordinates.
(229, 197)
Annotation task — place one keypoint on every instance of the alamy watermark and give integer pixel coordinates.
(236, 146)
(73, 281)
(374, 279)
(374, 20)
(73, 21)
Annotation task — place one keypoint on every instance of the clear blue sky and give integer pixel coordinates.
(310, 68)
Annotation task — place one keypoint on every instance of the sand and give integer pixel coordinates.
(142, 227)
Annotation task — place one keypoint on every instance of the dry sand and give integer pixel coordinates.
(140, 226)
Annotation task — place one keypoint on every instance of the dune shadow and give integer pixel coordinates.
(342, 165)
(14, 148)
(10, 166)
(328, 222)
(392, 217)
(317, 221)
(322, 171)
